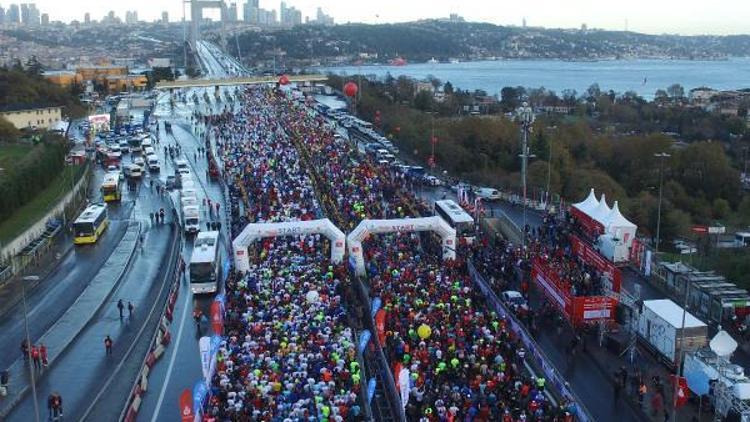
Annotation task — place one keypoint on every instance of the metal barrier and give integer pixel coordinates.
(535, 351)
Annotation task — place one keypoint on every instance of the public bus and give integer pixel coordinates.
(457, 218)
(205, 263)
(111, 188)
(90, 225)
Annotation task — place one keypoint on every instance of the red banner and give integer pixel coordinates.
(186, 406)
(380, 325)
(681, 398)
(592, 257)
(217, 319)
(589, 225)
(577, 309)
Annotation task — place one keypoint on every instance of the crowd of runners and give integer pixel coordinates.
(290, 349)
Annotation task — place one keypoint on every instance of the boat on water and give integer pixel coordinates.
(398, 61)
(454, 61)
(432, 61)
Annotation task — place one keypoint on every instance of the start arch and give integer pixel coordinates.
(293, 228)
(366, 227)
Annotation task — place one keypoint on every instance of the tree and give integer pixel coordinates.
(448, 88)
(661, 96)
(509, 98)
(33, 67)
(8, 132)
(676, 92)
(423, 101)
(593, 92)
(569, 97)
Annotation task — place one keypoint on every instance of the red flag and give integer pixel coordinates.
(380, 325)
(186, 406)
(681, 392)
(217, 319)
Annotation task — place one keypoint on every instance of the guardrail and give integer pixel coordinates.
(161, 337)
(535, 351)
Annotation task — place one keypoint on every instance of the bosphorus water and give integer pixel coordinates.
(643, 76)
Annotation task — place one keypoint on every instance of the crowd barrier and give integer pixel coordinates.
(535, 352)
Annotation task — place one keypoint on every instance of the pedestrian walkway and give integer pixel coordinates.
(75, 319)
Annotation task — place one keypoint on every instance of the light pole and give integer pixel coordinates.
(25, 279)
(549, 174)
(525, 115)
(661, 156)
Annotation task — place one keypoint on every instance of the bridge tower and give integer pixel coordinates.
(196, 16)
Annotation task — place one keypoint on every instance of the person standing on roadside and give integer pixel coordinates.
(131, 308)
(108, 345)
(43, 354)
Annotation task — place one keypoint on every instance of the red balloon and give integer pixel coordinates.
(350, 89)
(284, 80)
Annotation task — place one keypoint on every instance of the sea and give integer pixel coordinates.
(643, 76)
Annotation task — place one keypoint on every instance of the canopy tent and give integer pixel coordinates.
(619, 226)
(601, 211)
(588, 204)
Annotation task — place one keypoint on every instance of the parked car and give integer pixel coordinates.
(432, 181)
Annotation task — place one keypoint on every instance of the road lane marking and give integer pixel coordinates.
(164, 385)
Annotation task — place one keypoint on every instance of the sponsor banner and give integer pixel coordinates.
(204, 346)
(592, 257)
(200, 393)
(217, 317)
(403, 385)
(364, 338)
(589, 225)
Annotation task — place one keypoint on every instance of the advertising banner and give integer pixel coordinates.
(186, 406)
(204, 346)
(217, 318)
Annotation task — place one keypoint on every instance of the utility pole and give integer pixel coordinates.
(549, 174)
(526, 116)
(661, 156)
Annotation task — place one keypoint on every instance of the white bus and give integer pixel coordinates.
(457, 218)
(205, 265)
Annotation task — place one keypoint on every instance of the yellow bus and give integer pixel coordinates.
(90, 225)
(111, 189)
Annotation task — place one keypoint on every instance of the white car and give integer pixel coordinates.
(514, 300)
(140, 162)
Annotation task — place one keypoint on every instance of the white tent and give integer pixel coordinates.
(723, 344)
(601, 212)
(616, 224)
(589, 204)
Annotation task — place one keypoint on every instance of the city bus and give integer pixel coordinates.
(205, 265)
(90, 225)
(457, 218)
(111, 188)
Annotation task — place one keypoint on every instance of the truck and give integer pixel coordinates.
(660, 328)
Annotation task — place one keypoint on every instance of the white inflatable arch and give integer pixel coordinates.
(294, 228)
(367, 227)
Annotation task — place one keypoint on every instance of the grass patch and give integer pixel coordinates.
(12, 153)
(30, 213)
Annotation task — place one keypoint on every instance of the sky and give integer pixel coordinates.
(686, 17)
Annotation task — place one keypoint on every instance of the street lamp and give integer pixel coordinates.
(525, 115)
(29, 278)
(661, 156)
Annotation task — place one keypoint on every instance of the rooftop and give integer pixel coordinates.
(25, 106)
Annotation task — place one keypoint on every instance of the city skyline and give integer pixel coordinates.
(721, 17)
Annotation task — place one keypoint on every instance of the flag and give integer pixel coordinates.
(681, 391)
(186, 406)
(217, 318)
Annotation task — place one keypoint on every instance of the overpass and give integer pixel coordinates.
(251, 80)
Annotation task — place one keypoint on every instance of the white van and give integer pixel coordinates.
(189, 192)
(153, 162)
(489, 194)
(181, 164)
(149, 151)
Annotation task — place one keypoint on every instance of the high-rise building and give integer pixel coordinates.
(131, 17)
(24, 14)
(34, 15)
(2, 15)
(45, 19)
(164, 17)
(87, 18)
(14, 15)
(289, 16)
(250, 11)
(321, 18)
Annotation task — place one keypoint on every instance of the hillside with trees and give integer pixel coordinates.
(21, 84)
(576, 152)
(422, 40)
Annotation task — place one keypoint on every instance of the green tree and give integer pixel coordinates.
(509, 98)
(8, 132)
(676, 92)
(448, 88)
(423, 101)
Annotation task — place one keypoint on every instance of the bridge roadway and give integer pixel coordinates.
(251, 80)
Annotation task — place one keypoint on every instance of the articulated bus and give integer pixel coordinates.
(205, 264)
(111, 188)
(90, 225)
(457, 218)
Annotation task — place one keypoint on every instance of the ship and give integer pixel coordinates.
(432, 61)
(398, 61)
